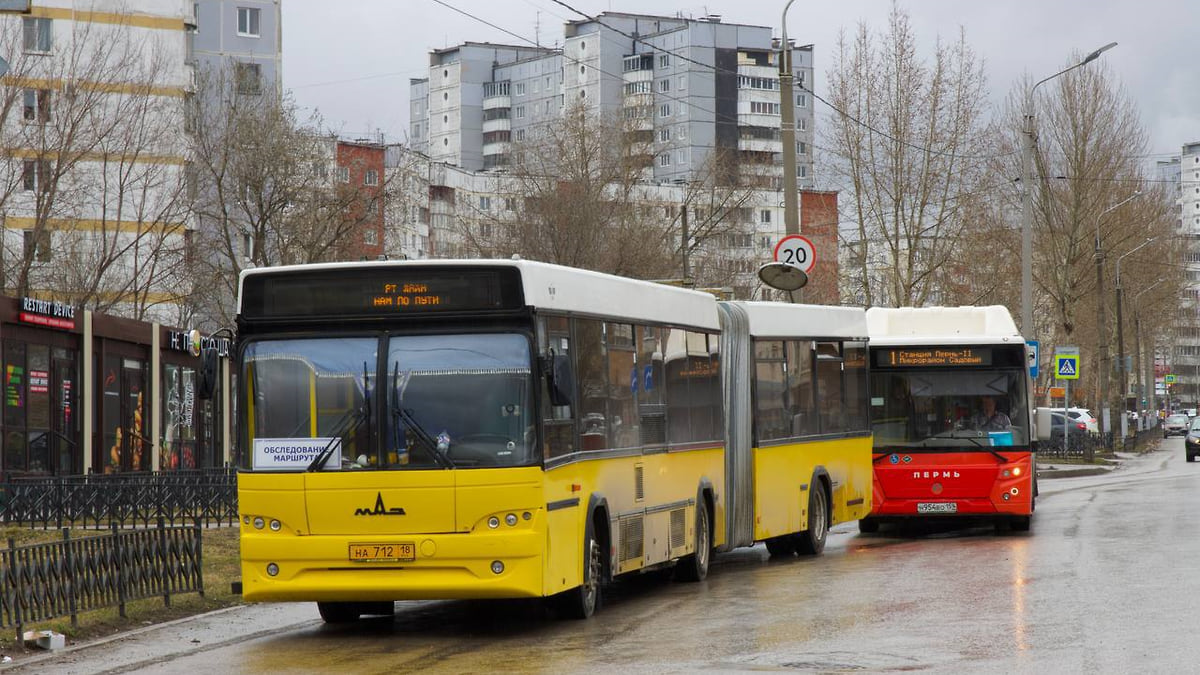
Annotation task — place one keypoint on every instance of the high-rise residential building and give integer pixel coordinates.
(689, 89)
(1184, 172)
(243, 38)
(94, 206)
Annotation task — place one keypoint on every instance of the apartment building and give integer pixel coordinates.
(1184, 173)
(242, 37)
(687, 89)
(95, 207)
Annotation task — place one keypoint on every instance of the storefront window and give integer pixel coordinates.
(179, 418)
(15, 403)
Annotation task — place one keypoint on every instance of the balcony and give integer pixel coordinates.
(501, 124)
(492, 102)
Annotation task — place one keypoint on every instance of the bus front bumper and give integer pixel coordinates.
(446, 567)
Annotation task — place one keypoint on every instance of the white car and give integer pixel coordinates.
(1084, 415)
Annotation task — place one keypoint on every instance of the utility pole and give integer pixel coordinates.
(787, 110)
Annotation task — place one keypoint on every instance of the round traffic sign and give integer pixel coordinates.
(796, 250)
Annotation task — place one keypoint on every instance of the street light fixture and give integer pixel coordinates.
(1027, 142)
(1120, 323)
(1101, 320)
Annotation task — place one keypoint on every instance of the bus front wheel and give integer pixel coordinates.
(581, 602)
(812, 540)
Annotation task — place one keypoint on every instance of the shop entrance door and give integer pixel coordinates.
(65, 429)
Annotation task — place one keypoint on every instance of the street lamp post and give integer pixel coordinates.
(1121, 325)
(1151, 404)
(791, 210)
(1101, 320)
(1027, 143)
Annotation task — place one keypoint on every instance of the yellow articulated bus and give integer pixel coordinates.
(511, 429)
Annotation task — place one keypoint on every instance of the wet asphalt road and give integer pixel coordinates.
(1107, 581)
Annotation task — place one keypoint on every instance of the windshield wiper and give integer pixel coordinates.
(343, 428)
(411, 423)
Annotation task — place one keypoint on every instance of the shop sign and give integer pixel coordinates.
(49, 313)
(39, 382)
(193, 342)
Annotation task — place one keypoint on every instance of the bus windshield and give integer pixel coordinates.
(446, 401)
(944, 408)
(467, 396)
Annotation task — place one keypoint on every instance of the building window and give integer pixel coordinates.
(519, 89)
(247, 245)
(664, 110)
(801, 148)
(248, 21)
(249, 79)
(664, 134)
(764, 108)
(371, 178)
(664, 60)
(664, 85)
(370, 238)
(35, 174)
(664, 159)
(764, 216)
(520, 112)
(682, 85)
(37, 245)
(343, 174)
(37, 35)
(802, 100)
(37, 105)
(485, 203)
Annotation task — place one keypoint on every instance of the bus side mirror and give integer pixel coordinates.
(560, 381)
(206, 379)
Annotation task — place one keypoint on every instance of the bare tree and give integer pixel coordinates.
(1086, 161)
(269, 191)
(577, 193)
(94, 187)
(907, 151)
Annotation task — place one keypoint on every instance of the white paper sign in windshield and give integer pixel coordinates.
(295, 454)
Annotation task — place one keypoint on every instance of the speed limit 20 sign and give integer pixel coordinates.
(796, 250)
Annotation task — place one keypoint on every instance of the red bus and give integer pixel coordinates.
(950, 415)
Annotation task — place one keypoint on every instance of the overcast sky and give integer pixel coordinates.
(352, 59)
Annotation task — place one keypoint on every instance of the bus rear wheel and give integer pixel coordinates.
(695, 566)
(812, 540)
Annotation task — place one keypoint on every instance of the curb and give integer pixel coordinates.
(1053, 472)
(123, 635)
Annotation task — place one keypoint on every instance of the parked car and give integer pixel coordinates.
(1175, 425)
(1084, 415)
(1191, 442)
(1057, 421)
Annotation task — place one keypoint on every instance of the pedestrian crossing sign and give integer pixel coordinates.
(1066, 366)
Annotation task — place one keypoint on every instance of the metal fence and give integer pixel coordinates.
(39, 582)
(135, 500)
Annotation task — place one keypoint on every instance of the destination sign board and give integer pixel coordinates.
(899, 357)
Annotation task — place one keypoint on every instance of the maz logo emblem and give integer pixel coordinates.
(380, 509)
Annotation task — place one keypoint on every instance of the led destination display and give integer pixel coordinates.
(376, 291)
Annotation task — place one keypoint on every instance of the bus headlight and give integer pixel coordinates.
(497, 567)
(1016, 471)
(259, 522)
(272, 569)
(493, 522)
(510, 519)
(276, 526)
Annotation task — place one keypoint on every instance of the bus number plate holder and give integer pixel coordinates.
(937, 507)
(401, 552)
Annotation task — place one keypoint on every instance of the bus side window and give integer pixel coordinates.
(558, 427)
(800, 388)
(854, 368)
(652, 412)
(771, 417)
(829, 387)
(591, 357)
